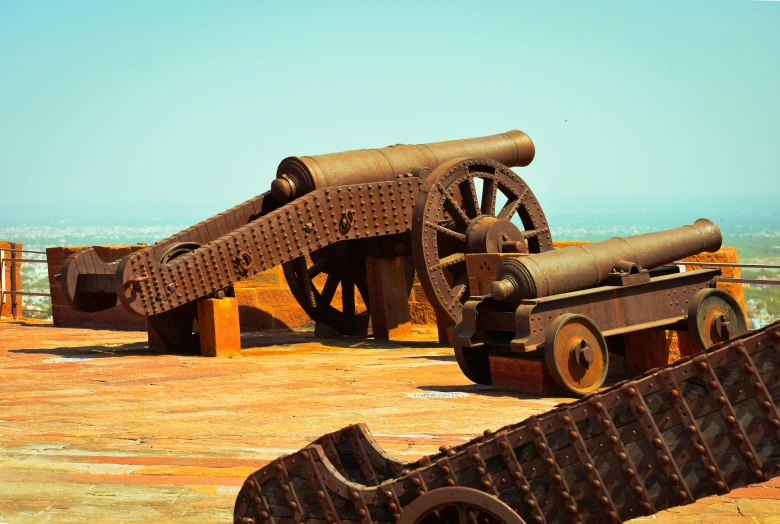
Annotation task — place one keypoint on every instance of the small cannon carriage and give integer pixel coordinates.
(556, 308)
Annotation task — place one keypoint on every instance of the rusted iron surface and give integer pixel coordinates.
(297, 176)
(558, 306)
(346, 207)
(452, 219)
(575, 268)
(698, 427)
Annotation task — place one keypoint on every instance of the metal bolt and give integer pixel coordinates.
(583, 353)
(723, 327)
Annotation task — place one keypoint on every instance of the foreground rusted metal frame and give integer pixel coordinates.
(698, 427)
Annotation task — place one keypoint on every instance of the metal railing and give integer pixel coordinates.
(13, 288)
(755, 281)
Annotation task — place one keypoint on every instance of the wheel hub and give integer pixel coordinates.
(583, 353)
(723, 328)
(487, 234)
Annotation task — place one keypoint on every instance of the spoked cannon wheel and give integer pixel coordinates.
(458, 505)
(714, 316)
(576, 355)
(178, 327)
(452, 218)
(340, 296)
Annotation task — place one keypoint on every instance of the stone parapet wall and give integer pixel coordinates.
(65, 316)
(266, 302)
(12, 279)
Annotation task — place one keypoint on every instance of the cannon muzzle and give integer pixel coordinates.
(299, 175)
(575, 268)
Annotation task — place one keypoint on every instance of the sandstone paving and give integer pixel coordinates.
(95, 426)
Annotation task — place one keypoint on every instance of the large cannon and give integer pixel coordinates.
(297, 176)
(322, 217)
(698, 427)
(557, 307)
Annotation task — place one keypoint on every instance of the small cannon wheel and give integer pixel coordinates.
(178, 327)
(467, 206)
(714, 316)
(576, 354)
(458, 505)
(474, 363)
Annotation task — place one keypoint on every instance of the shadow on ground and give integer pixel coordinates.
(98, 351)
(249, 340)
(476, 389)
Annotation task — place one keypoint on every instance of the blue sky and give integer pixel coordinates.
(156, 109)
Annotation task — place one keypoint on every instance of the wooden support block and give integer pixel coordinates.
(155, 341)
(220, 333)
(523, 375)
(652, 348)
(648, 349)
(685, 344)
(446, 329)
(390, 317)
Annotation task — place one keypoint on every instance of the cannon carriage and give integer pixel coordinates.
(557, 308)
(431, 204)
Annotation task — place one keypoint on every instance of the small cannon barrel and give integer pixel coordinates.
(297, 176)
(575, 268)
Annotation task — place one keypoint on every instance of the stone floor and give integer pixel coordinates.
(95, 427)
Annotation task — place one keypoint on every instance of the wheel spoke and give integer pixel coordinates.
(329, 289)
(457, 213)
(362, 287)
(460, 287)
(448, 261)
(511, 206)
(317, 268)
(489, 188)
(531, 233)
(348, 296)
(509, 209)
(462, 517)
(446, 231)
(468, 194)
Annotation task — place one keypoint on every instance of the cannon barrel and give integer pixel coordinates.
(575, 268)
(299, 175)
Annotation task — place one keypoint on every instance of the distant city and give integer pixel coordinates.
(755, 234)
